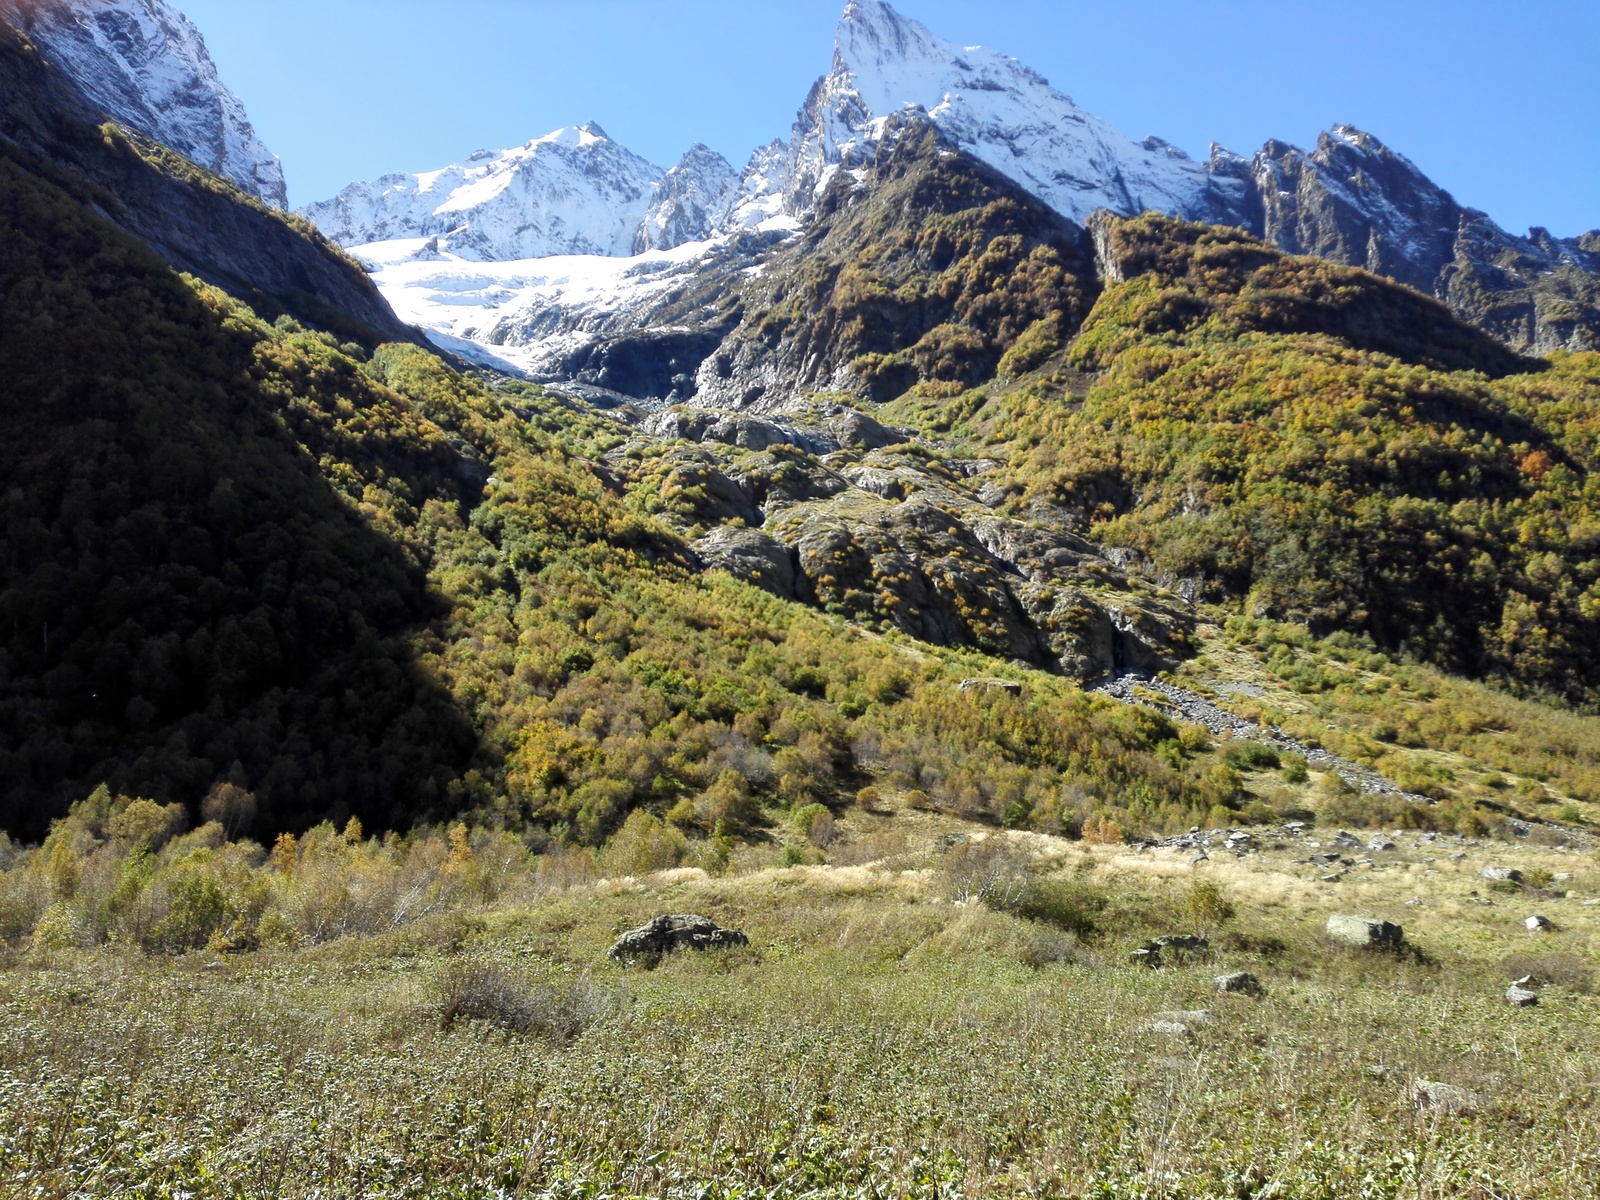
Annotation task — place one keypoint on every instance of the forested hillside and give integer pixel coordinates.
(354, 582)
(364, 585)
(1314, 444)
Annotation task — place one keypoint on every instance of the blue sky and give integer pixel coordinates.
(1499, 102)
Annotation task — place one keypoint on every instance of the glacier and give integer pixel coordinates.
(530, 316)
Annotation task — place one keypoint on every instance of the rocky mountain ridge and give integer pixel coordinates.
(1352, 200)
(145, 63)
(996, 109)
(1356, 202)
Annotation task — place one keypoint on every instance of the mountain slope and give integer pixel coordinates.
(363, 585)
(1319, 445)
(195, 220)
(146, 64)
(926, 269)
(1356, 202)
(182, 588)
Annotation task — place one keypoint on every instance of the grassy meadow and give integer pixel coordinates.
(878, 1038)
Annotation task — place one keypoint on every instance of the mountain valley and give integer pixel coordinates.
(1016, 576)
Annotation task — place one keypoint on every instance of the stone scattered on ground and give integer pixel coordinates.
(1179, 1024)
(1501, 875)
(1432, 1096)
(1240, 983)
(1197, 710)
(1521, 997)
(1537, 924)
(1146, 956)
(1365, 932)
(664, 935)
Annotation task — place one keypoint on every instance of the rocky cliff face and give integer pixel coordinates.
(689, 201)
(1356, 202)
(198, 222)
(145, 64)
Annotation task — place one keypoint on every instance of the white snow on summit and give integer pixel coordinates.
(145, 64)
(522, 257)
(574, 191)
(991, 106)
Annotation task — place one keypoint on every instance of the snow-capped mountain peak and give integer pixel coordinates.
(146, 64)
(996, 109)
(689, 200)
(574, 191)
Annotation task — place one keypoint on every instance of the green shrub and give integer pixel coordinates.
(1069, 905)
(1206, 907)
(1251, 756)
(559, 1013)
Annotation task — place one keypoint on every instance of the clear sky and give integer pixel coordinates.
(1497, 101)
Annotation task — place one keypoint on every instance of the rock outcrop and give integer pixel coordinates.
(665, 935)
(1365, 933)
(901, 538)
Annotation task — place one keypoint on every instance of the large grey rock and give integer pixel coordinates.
(860, 432)
(1500, 874)
(1240, 983)
(1366, 933)
(1183, 943)
(667, 934)
(752, 556)
(1521, 997)
(696, 491)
